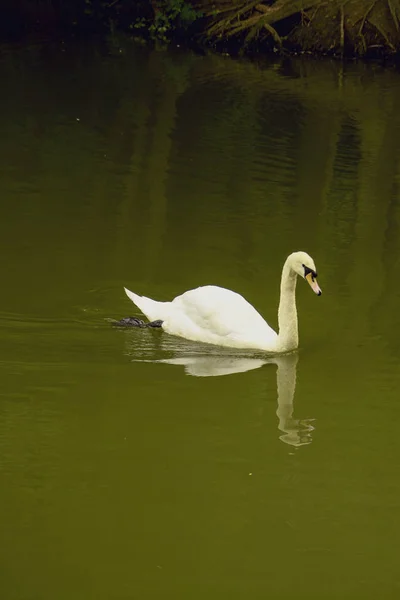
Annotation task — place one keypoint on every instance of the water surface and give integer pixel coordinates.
(138, 465)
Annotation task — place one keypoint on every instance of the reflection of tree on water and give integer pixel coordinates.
(204, 361)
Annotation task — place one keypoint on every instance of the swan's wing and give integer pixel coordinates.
(222, 312)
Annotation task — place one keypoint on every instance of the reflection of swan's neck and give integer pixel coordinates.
(286, 384)
(295, 433)
(287, 313)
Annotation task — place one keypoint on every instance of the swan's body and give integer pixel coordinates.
(219, 316)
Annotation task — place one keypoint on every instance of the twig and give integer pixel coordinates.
(282, 9)
(223, 24)
(274, 33)
(256, 28)
(365, 17)
(364, 44)
(313, 17)
(385, 37)
(394, 15)
(342, 29)
(243, 25)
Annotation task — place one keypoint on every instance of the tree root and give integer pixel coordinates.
(332, 26)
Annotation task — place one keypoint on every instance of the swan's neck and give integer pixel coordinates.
(287, 313)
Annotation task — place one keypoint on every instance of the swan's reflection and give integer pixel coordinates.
(295, 432)
(214, 366)
(206, 361)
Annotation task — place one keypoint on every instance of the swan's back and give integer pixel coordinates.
(221, 315)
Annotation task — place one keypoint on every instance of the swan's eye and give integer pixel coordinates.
(308, 271)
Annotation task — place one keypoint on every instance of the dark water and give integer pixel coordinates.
(129, 466)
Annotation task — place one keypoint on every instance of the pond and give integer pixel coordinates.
(134, 464)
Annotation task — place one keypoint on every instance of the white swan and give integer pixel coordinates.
(219, 316)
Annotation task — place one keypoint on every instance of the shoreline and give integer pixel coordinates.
(339, 29)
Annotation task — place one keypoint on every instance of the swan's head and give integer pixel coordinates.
(303, 265)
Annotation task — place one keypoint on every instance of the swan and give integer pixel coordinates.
(219, 316)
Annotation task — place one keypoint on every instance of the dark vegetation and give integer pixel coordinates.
(337, 27)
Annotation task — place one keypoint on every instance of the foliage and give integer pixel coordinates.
(172, 15)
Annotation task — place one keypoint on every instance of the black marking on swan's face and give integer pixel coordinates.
(311, 277)
(308, 271)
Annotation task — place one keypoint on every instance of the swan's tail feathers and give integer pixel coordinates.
(132, 296)
(152, 309)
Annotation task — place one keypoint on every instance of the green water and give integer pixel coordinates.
(134, 465)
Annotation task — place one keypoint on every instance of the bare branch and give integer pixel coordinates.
(274, 33)
(393, 12)
(342, 29)
(365, 17)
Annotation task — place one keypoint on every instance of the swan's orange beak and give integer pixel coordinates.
(313, 284)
